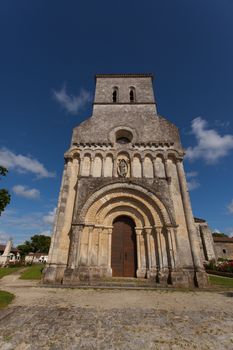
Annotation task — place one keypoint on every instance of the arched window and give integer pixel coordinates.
(132, 96)
(115, 94)
(123, 136)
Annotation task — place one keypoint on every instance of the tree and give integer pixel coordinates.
(219, 234)
(4, 194)
(37, 244)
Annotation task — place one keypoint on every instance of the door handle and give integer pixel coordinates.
(125, 256)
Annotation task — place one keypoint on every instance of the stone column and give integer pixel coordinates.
(100, 232)
(103, 166)
(158, 230)
(75, 242)
(167, 171)
(154, 168)
(142, 166)
(171, 247)
(114, 166)
(138, 231)
(81, 166)
(109, 230)
(148, 233)
(195, 250)
(131, 167)
(92, 166)
(173, 244)
(164, 249)
(90, 234)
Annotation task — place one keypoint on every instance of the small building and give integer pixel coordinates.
(223, 247)
(33, 258)
(206, 240)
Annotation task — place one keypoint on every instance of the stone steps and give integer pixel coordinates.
(114, 283)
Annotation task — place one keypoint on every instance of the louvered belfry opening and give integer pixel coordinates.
(124, 249)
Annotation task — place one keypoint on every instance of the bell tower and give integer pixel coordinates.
(124, 208)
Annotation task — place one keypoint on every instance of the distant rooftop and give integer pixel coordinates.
(130, 75)
(199, 220)
(223, 239)
(3, 246)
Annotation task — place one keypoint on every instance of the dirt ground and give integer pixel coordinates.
(53, 318)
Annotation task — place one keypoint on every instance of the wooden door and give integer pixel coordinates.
(124, 253)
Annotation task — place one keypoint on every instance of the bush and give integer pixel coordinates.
(210, 265)
(15, 263)
(222, 266)
(225, 266)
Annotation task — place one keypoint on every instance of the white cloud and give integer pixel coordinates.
(191, 174)
(192, 182)
(23, 164)
(230, 207)
(72, 104)
(21, 226)
(24, 191)
(216, 230)
(211, 146)
(229, 231)
(4, 237)
(16, 220)
(45, 233)
(49, 218)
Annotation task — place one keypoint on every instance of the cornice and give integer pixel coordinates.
(127, 75)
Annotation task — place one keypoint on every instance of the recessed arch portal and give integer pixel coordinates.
(100, 235)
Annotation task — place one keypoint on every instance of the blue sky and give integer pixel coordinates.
(50, 52)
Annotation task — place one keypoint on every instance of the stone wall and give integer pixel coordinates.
(206, 240)
(223, 247)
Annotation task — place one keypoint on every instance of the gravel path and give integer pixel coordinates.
(52, 318)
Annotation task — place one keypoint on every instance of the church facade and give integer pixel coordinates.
(124, 208)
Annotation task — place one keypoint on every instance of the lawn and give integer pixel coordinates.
(33, 272)
(221, 281)
(5, 298)
(4, 271)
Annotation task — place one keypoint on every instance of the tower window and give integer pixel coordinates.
(115, 95)
(132, 94)
(123, 136)
(224, 251)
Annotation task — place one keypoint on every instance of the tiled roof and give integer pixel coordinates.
(199, 220)
(3, 246)
(37, 255)
(223, 239)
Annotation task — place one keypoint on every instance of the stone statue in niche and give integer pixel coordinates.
(122, 168)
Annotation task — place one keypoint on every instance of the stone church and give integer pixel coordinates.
(124, 208)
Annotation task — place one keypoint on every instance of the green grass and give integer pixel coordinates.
(4, 271)
(33, 272)
(5, 298)
(221, 281)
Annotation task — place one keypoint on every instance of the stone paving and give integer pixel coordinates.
(52, 318)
